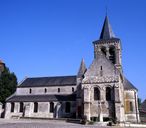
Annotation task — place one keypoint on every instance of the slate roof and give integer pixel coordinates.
(143, 105)
(128, 85)
(48, 81)
(41, 98)
(106, 32)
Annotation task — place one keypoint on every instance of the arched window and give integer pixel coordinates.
(103, 49)
(108, 94)
(12, 107)
(35, 107)
(21, 107)
(30, 91)
(96, 94)
(51, 107)
(67, 107)
(112, 55)
(45, 90)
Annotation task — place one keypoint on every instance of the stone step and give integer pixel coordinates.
(70, 120)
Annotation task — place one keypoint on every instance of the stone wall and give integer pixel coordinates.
(49, 90)
(43, 110)
(131, 106)
(92, 108)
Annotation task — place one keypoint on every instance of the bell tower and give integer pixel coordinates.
(109, 45)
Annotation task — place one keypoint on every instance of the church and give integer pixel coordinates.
(99, 92)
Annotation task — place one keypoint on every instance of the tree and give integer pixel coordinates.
(8, 84)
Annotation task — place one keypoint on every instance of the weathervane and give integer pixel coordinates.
(106, 10)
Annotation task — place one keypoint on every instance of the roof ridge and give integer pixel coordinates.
(50, 77)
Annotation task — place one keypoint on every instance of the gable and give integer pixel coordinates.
(101, 66)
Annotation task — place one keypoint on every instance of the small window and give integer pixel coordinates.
(21, 107)
(101, 72)
(45, 90)
(73, 89)
(131, 106)
(51, 107)
(101, 68)
(67, 107)
(12, 107)
(58, 89)
(35, 107)
(30, 90)
(128, 106)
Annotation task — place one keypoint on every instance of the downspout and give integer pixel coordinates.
(136, 106)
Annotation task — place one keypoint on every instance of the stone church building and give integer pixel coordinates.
(100, 92)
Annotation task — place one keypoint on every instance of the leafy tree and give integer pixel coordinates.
(8, 83)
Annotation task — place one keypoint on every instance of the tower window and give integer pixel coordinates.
(21, 107)
(112, 56)
(35, 107)
(58, 89)
(103, 49)
(67, 107)
(108, 94)
(12, 107)
(96, 94)
(51, 107)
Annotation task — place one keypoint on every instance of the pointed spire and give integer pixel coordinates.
(106, 32)
(82, 69)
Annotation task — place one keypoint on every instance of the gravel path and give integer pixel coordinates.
(41, 124)
(29, 123)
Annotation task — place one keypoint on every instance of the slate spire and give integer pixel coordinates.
(106, 32)
(82, 69)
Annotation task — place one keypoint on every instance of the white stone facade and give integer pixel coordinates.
(98, 93)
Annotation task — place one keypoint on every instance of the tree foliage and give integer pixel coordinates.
(8, 83)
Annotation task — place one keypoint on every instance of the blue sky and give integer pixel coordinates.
(50, 37)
